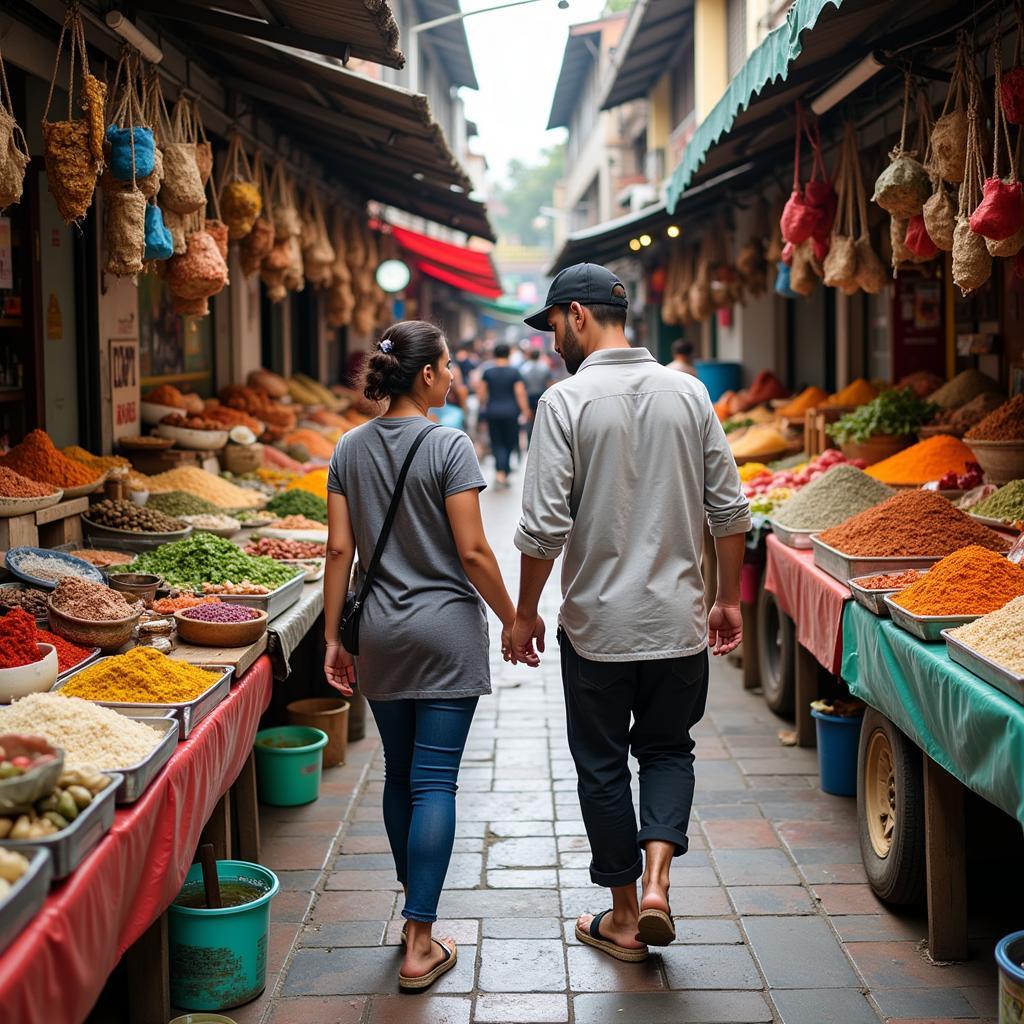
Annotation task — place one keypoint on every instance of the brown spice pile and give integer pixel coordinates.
(14, 485)
(911, 524)
(92, 601)
(1005, 424)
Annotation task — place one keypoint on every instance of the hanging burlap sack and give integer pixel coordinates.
(72, 150)
(190, 307)
(317, 251)
(214, 226)
(201, 272)
(699, 294)
(259, 241)
(178, 225)
(898, 242)
(840, 264)
(204, 149)
(805, 271)
(949, 133)
(240, 197)
(125, 232)
(355, 243)
(182, 189)
(903, 187)
(940, 217)
(972, 263)
(872, 274)
(14, 156)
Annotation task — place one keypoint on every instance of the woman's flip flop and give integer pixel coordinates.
(656, 928)
(592, 937)
(420, 984)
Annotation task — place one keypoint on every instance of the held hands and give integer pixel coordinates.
(523, 643)
(339, 668)
(725, 628)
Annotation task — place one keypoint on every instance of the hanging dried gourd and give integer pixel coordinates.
(182, 189)
(1012, 89)
(14, 155)
(73, 149)
(840, 265)
(258, 242)
(972, 262)
(949, 133)
(240, 197)
(903, 187)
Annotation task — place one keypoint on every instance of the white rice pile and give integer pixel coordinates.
(999, 636)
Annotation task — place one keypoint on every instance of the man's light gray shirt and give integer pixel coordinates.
(627, 462)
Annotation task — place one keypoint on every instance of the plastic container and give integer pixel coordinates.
(1009, 955)
(219, 957)
(329, 715)
(289, 763)
(838, 737)
(719, 377)
(202, 1018)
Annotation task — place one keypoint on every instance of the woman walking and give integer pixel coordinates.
(422, 658)
(503, 396)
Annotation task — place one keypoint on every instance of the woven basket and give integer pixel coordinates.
(87, 633)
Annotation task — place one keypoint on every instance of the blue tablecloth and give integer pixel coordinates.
(962, 723)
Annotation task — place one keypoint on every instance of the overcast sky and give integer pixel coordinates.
(517, 54)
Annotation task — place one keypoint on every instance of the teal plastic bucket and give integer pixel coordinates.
(1010, 958)
(289, 763)
(838, 738)
(219, 957)
(718, 377)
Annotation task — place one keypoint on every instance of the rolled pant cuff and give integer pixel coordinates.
(411, 915)
(661, 833)
(612, 879)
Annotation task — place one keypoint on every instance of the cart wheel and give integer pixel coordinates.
(890, 811)
(776, 654)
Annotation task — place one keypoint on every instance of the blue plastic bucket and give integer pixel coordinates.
(838, 738)
(219, 957)
(718, 377)
(1009, 957)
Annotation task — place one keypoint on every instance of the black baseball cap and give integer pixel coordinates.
(589, 284)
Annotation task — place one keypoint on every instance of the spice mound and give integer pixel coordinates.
(1005, 424)
(32, 600)
(837, 494)
(930, 459)
(297, 523)
(274, 547)
(244, 588)
(299, 503)
(757, 442)
(102, 559)
(963, 388)
(168, 605)
(971, 581)
(181, 503)
(90, 735)
(890, 580)
(974, 411)
(221, 612)
(14, 485)
(37, 458)
(996, 636)
(97, 463)
(46, 567)
(911, 524)
(1006, 504)
(860, 392)
(18, 640)
(809, 398)
(142, 676)
(92, 602)
(222, 493)
(213, 521)
(126, 515)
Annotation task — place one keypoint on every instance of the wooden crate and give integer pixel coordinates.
(19, 531)
(62, 523)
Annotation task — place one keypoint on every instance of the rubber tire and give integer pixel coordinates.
(776, 654)
(898, 878)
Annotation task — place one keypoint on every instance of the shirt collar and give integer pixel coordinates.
(608, 356)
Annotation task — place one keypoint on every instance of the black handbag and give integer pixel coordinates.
(354, 602)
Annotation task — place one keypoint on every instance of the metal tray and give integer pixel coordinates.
(188, 715)
(792, 538)
(84, 663)
(926, 627)
(69, 847)
(1005, 525)
(138, 777)
(27, 896)
(848, 567)
(1001, 678)
(273, 603)
(44, 621)
(873, 600)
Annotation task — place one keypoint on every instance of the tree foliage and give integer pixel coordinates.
(515, 207)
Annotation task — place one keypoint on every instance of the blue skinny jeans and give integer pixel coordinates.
(423, 743)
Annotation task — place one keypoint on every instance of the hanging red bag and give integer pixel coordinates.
(799, 216)
(918, 241)
(1011, 91)
(820, 192)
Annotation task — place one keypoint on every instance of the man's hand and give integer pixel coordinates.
(339, 668)
(524, 635)
(725, 628)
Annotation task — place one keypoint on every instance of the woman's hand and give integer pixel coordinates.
(339, 669)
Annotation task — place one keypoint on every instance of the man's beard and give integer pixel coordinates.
(572, 352)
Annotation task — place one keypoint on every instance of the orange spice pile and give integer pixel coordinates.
(971, 581)
(930, 459)
(38, 459)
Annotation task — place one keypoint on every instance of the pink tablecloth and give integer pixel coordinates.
(55, 970)
(811, 598)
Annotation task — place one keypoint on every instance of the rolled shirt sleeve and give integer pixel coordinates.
(547, 488)
(725, 505)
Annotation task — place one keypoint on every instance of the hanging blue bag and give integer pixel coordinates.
(782, 285)
(120, 161)
(159, 244)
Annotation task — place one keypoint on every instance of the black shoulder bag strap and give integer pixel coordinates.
(354, 602)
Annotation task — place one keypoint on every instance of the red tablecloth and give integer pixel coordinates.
(55, 970)
(811, 598)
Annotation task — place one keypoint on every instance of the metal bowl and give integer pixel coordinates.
(142, 584)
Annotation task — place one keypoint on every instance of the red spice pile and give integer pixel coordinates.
(911, 524)
(18, 639)
(68, 654)
(1005, 424)
(890, 580)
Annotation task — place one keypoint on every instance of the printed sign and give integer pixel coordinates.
(124, 386)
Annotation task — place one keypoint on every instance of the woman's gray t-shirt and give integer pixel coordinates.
(423, 631)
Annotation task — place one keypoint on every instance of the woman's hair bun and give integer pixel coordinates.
(404, 349)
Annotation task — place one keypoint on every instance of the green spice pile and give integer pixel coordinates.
(207, 558)
(997, 636)
(181, 503)
(299, 503)
(898, 412)
(1006, 504)
(837, 494)
(1005, 424)
(962, 389)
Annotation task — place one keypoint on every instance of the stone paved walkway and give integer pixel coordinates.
(776, 921)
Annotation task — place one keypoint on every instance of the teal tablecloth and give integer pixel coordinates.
(970, 728)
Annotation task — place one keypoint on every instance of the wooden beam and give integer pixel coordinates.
(149, 986)
(806, 690)
(247, 812)
(218, 829)
(946, 860)
(751, 668)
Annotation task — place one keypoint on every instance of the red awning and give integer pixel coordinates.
(466, 269)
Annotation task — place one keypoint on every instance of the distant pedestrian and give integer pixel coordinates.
(536, 374)
(503, 403)
(628, 463)
(682, 352)
(422, 658)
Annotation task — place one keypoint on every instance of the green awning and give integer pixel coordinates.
(506, 307)
(770, 62)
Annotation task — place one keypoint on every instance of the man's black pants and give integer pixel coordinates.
(665, 699)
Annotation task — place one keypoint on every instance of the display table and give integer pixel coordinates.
(54, 971)
(287, 631)
(814, 601)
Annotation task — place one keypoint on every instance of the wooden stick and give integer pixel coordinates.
(208, 860)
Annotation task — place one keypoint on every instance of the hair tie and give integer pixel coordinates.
(386, 346)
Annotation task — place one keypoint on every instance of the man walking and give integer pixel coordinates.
(628, 462)
(536, 376)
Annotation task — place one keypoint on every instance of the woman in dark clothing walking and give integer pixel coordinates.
(503, 399)
(423, 648)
